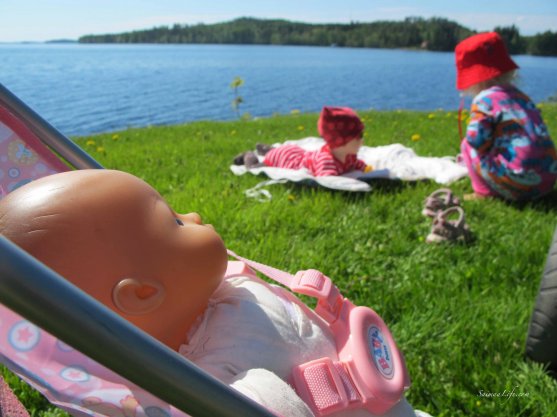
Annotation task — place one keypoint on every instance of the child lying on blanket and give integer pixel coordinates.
(342, 130)
(114, 236)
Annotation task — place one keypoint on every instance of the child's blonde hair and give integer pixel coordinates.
(508, 78)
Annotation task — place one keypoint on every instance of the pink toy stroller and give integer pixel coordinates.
(98, 364)
(91, 362)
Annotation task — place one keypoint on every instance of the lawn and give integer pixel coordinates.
(459, 313)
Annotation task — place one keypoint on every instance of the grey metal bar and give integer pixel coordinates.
(46, 132)
(39, 294)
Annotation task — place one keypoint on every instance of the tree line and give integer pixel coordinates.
(433, 34)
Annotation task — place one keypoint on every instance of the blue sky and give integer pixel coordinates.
(40, 20)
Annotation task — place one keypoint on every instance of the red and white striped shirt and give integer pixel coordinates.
(320, 163)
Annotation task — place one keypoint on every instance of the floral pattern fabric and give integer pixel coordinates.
(507, 147)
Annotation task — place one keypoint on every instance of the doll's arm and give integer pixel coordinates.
(267, 389)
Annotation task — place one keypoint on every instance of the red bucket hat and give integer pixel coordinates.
(480, 58)
(339, 125)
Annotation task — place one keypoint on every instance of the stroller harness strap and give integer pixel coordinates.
(312, 283)
(370, 371)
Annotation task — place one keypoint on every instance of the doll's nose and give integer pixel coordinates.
(191, 218)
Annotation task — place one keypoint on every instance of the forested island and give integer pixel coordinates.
(433, 34)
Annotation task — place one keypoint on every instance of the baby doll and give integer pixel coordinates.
(113, 235)
(342, 130)
(507, 147)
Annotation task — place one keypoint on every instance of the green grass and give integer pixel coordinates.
(459, 313)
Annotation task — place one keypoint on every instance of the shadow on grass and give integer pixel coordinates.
(378, 186)
(545, 204)
(385, 185)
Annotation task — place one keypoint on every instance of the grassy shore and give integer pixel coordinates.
(459, 313)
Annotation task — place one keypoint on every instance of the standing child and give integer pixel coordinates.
(342, 130)
(507, 147)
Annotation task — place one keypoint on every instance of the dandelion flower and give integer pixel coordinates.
(115, 137)
(100, 149)
(430, 116)
(301, 128)
(415, 137)
(291, 197)
(90, 143)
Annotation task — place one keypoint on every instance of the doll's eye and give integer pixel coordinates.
(180, 223)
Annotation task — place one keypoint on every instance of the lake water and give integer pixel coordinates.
(85, 89)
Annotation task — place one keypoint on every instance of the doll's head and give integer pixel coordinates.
(482, 61)
(113, 235)
(339, 126)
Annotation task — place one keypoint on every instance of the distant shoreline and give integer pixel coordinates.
(413, 49)
(412, 33)
(433, 34)
(55, 41)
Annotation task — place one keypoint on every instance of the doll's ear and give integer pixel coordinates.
(136, 297)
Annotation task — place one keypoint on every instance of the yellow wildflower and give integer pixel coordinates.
(301, 128)
(115, 137)
(430, 116)
(90, 143)
(415, 137)
(100, 149)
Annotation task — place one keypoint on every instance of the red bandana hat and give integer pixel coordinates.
(480, 58)
(339, 125)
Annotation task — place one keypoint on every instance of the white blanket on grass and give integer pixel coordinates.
(394, 161)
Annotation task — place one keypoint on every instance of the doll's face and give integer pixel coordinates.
(115, 237)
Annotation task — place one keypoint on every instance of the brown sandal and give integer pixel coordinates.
(439, 200)
(445, 230)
